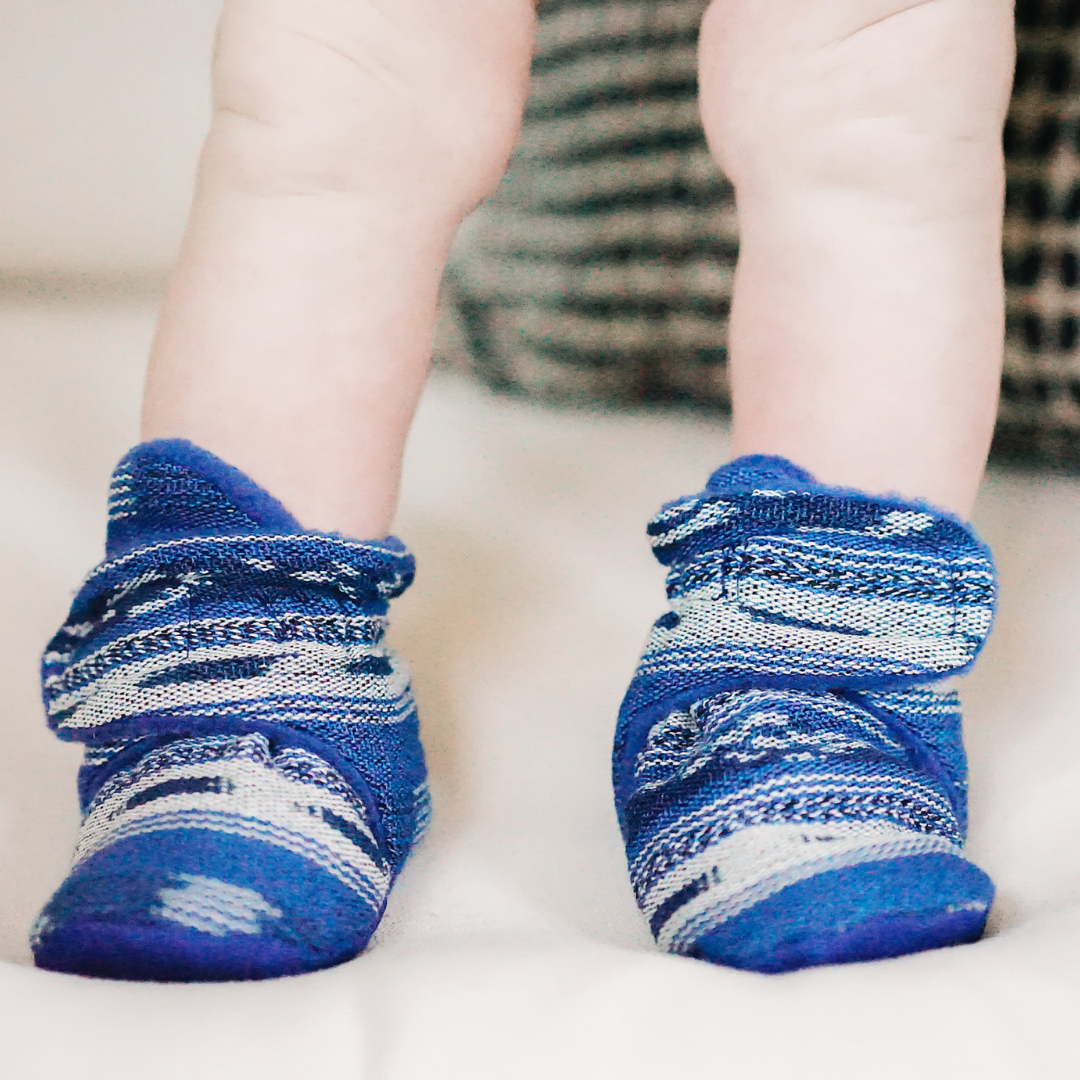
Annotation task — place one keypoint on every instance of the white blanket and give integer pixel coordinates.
(512, 947)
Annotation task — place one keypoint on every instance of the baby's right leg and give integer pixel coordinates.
(254, 778)
(350, 138)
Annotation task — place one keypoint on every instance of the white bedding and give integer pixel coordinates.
(512, 947)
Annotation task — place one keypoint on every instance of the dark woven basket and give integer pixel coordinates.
(1039, 415)
(602, 270)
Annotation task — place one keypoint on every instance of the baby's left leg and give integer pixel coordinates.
(864, 141)
(790, 784)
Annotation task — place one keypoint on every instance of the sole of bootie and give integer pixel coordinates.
(150, 953)
(196, 906)
(872, 911)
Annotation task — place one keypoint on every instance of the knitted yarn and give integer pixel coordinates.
(253, 779)
(790, 784)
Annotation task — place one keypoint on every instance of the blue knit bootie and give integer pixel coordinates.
(790, 785)
(253, 778)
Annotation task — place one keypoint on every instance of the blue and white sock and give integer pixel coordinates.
(790, 783)
(253, 779)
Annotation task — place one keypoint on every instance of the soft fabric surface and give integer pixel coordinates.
(512, 945)
(789, 780)
(253, 779)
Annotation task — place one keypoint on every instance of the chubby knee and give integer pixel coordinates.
(851, 91)
(424, 102)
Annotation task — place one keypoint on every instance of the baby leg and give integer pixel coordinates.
(349, 139)
(254, 778)
(864, 141)
(792, 787)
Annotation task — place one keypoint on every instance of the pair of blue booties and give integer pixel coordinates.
(790, 785)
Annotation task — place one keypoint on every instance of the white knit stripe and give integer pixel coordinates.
(206, 545)
(758, 862)
(765, 733)
(856, 614)
(218, 755)
(298, 671)
(821, 551)
(842, 549)
(676, 508)
(120, 497)
(118, 594)
(750, 725)
(934, 700)
(824, 549)
(756, 800)
(709, 514)
(754, 855)
(721, 636)
(169, 598)
(262, 804)
(359, 631)
(422, 802)
(360, 874)
(95, 756)
(284, 710)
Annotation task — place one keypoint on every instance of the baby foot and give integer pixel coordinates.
(791, 790)
(254, 778)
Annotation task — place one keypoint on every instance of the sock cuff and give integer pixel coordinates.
(777, 581)
(174, 506)
(170, 488)
(209, 581)
(167, 489)
(759, 470)
(758, 495)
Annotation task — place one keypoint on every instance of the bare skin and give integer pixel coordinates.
(864, 141)
(351, 137)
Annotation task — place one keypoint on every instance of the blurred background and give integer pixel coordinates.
(601, 272)
(599, 281)
(603, 269)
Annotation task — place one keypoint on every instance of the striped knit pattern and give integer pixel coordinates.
(602, 269)
(238, 785)
(235, 788)
(228, 677)
(780, 724)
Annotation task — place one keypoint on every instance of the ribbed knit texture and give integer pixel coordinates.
(253, 778)
(790, 783)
